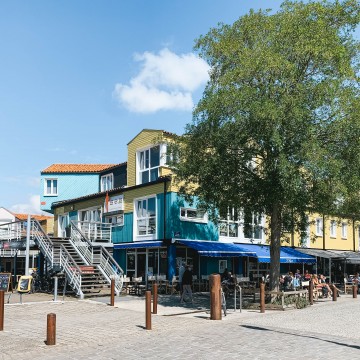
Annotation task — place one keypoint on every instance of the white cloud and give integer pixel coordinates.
(32, 207)
(165, 82)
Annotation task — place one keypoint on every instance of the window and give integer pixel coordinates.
(149, 163)
(252, 226)
(229, 227)
(243, 225)
(222, 266)
(319, 227)
(333, 228)
(107, 182)
(115, 220)
(51, 187)
(146, 216)
(195, 215)
(344, 230)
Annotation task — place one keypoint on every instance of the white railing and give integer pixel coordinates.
(96, 231)
(44, 242)
(13, 231)
(109, 267)
(71, 270)
(81, 244)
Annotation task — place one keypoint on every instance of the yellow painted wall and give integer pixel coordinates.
(331, 243)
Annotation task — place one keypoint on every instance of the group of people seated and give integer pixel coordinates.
(292, 281)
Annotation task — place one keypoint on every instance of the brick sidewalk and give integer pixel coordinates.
(93, 330)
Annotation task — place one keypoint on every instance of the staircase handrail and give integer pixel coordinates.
(77, 237)
(71, 269)
(111, 269)
(44, 242)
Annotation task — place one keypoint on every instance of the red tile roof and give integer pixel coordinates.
(78, 168)
(37, 217)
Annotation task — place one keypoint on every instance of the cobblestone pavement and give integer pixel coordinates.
(93, 330)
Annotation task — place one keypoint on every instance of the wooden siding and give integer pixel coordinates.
(140, 192)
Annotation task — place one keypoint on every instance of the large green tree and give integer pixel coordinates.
(277, 130)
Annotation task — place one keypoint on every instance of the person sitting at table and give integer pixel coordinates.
(186, 284)
(307, 275)
(288, 281)
(225, 276)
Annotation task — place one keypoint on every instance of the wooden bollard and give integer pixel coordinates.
(215, 296)
(311, 292)
(355, 289)
(155, 298)
(334, 293)
(112, 296)
(2, 307)
(148, 310)
(262, 297)
(51, 329)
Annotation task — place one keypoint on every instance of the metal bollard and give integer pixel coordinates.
(311, 293)
(354, 288)
(51, 329)
(215, 297)
(148, 309)
(2, 307)
(262, 297)
(155, 298)
(112, 295)
(55, 287)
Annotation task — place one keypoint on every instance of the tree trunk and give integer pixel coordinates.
(275, 243)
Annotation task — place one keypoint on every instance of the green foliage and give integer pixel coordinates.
(277, 130)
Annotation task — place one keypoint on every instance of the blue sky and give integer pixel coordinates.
(71, 73)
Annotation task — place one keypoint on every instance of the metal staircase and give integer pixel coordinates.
(88, 268)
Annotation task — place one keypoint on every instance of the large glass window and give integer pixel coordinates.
(51, 187)
(149, 162)
(239, 224)
(107, 182)
(146, 216)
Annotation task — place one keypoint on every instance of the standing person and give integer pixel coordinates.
(186, 284)
(181, 273)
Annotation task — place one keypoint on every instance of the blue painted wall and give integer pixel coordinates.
(124, 233)
(70, 186)
(188, 229)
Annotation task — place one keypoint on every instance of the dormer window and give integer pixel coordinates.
(107, 182)
(148, 164)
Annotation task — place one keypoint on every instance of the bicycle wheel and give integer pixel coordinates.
(223, 302)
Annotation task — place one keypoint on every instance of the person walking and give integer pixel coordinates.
(186, 284)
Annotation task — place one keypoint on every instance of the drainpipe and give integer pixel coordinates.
(164, 236)
(353, 230)
(323, 219)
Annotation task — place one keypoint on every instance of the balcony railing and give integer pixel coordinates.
(96, 231)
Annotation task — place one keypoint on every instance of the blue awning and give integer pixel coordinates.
(287, 254)
(139, 244)
(216, 248)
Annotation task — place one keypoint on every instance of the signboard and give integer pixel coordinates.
(114, 203)
(5, 279)
(24, 284)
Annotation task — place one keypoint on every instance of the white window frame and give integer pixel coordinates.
(162, 161)
(115, 220)
(201, 215)
(238, 225)
(107, 177)
(52, 192)
(319, 227)
(222, 266)
(344, 230)
(333, 228)
(147, 236)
